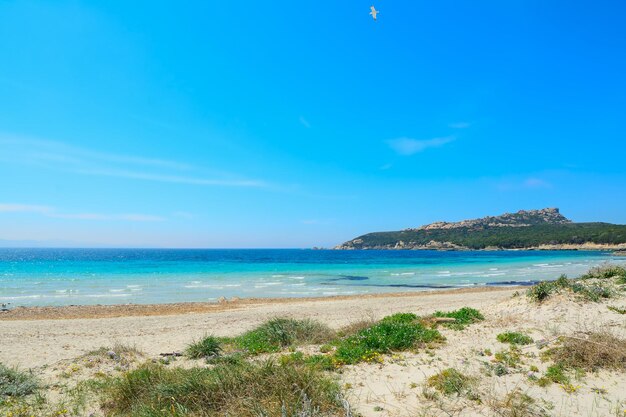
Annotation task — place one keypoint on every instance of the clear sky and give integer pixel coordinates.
(293, 124)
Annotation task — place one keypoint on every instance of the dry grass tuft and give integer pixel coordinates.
(596, 351)
(517, 404)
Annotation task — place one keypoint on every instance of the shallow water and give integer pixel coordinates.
(38, 277)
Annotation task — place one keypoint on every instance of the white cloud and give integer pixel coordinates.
(305, 122)
(460, 125)
(408, 146)
(63, 157)
(51, 212)
(183, 215)
(23, 208)
(536, 183)
(316, 221)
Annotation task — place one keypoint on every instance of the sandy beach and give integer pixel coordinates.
(53, 341)
(34, 336)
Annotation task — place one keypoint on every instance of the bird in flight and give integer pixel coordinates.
(374, 12)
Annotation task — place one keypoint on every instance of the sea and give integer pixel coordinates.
(59, 277)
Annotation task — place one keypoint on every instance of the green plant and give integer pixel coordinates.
(400, 318)
(236, 358)
(514, 338)
(593, 292)
(322, 362)
(451, 381)
(384, 337)
(510, 358)
(204, 348)
(16, 383)
(245, 389)
(562, 282)
(463, 317)
(606, 272)
(541, 291)
(616, 309)
(557, 373)
(279, 333)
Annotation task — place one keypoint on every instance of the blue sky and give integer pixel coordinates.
(293, 124)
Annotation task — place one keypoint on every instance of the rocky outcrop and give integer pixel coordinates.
(522, 218)
(526, 229)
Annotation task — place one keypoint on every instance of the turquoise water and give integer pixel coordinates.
(38, 277)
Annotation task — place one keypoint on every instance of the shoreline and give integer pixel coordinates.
(592, 247)
(102, 311)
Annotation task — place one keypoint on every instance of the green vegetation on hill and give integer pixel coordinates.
(506, 237)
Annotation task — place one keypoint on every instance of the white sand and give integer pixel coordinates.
(394, 388)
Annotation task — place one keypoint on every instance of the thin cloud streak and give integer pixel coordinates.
(305, 122)
(51, 212)
(23, 208)
(63, 157)
(172, 178)
(407, 146)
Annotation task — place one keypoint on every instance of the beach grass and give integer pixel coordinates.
(206, 347)
(280, 333)
(16, 383)
(246, 389)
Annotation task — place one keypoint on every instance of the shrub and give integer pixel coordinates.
(594, 292)
(245, 389)
(204, 348)
(384, 337)
(562, 282)
(400, 318)
(463, 317)
(606, 272)
(514, 338)
(279, 333)
(541, 291)
(450, 381)
(16, 383)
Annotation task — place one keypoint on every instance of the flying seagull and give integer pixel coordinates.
(374, 12)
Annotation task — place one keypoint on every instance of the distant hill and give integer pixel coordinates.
(533, 229)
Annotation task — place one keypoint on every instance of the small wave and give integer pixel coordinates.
(277, 276)
(21, 297)
(105, 295)
(297, 277)
(117, 290)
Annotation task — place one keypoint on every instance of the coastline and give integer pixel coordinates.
(450, 247)
(171, 309)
